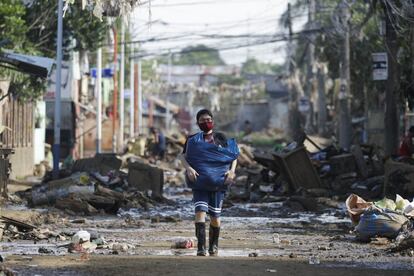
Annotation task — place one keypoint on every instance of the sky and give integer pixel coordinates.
(180, 23)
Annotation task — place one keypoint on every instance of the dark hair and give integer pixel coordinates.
(203, 112)
(411, 129)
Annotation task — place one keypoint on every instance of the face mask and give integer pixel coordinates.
(206, 126)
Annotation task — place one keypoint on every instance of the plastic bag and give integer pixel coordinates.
(386, 203)
(356, 206)
(81, 236)
(409, 209)
(401, 203)
(379, 223)
(210, 161)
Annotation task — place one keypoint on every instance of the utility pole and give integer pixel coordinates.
(136, 97)
(115, 94)
(139, 96)
(391, 122)
(294, 121)
(344, 91)
(132, 94)
(167, 107)
(311, 65)
(57, 119)
(99, 101)
(121, 89)
(321, 100)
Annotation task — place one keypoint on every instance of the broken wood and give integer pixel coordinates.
(100, 190)
(18, 223)
(109, 205)
(360, 161)
(297, 168)
(76, 205)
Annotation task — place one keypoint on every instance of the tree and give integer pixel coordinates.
(253, 66)
(108, 7)
(364, 40)
(31, 29)
(199, 55)
(79, 25)
(13, 28)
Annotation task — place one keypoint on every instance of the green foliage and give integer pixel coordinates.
(199, 55)
(32, 29)
(12, 26)
(253, 66)
(78, 25)
(232, 80)
(365, 40)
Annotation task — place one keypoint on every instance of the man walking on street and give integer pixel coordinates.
(210, 161)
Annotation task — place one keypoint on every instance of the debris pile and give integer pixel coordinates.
(386, 218)
(100, 184)
(330, 171)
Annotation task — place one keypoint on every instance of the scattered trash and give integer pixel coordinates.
(356, 206)
(276, 239)
(253, 254)
(44, 250)
(121, 247)
(380, 219)
(78, 221)
(183, 243)
(314, 260)
(81, 237)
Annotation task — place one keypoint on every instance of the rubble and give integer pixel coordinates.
(292, 178)
(183, 244)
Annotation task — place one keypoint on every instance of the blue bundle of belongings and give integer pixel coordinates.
(210, 161)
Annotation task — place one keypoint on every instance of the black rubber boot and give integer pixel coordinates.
(213, 237)
(200, 231)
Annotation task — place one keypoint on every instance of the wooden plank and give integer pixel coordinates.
(18, 223)
(31, 126)
(100, 190)
(25, 125)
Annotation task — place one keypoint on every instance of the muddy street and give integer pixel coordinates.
(256, 239)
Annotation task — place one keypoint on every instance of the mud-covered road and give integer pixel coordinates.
(257, 239)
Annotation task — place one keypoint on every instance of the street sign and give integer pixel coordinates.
(304, 105)
(380, 66)
(106, 72)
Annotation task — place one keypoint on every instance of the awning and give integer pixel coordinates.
(34, 65)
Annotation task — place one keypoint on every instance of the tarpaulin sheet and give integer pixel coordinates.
(210, 161)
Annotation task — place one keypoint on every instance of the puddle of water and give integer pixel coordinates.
(17, 248)
(222, 253)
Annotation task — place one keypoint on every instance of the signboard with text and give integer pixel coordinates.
(380, 66)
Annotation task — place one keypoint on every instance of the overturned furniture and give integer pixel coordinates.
(297, 168)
